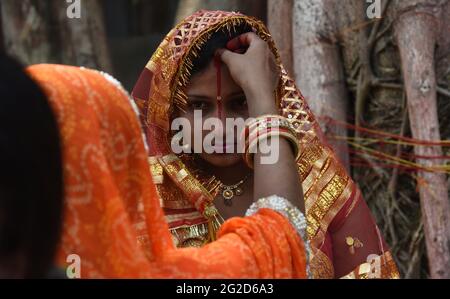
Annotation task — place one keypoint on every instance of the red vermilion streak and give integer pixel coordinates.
(217, 63)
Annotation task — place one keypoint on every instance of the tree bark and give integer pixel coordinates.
(255, 8)
(2, 45)
(318, 69)
(34, 34)
(279, 17)
(83, 41)
(26, 30)
(416, 33)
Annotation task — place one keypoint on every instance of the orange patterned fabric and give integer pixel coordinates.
(113, 219)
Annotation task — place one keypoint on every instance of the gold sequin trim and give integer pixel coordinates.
(324, 202)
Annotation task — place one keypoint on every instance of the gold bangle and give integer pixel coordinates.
(262, 122)
(248, 155)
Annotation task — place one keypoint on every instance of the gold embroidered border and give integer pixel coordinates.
(183, 216)
(326, 199)
(156, 170)
(198, 233)
(320, 177)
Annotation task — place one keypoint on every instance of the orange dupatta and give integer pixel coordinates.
(113, 219)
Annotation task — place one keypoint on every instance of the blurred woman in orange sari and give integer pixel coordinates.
(225, 65)
(113, 220)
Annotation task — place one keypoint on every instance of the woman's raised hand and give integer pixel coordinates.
(255, 71)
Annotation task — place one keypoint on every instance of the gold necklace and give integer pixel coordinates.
(229, 191)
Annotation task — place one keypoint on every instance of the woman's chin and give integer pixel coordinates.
(222, 160)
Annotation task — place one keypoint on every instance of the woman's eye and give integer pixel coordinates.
(240, 103)
(198, 105)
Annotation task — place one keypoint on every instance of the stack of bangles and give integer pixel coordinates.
(263, 128)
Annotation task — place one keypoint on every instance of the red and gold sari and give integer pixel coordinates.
(113, 219)
(335, 211)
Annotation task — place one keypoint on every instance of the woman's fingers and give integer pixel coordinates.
(242, 41)
(234, 44)
(225, 55)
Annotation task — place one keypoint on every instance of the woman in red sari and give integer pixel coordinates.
(226, 65)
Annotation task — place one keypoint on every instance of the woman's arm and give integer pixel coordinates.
(257, 74)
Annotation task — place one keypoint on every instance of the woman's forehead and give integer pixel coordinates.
(204, 84)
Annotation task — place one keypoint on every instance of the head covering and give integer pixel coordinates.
(113, 219)
(329, 193)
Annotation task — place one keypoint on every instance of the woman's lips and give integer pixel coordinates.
(223, 147)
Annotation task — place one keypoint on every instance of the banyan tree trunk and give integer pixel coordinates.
(41, 32)
(318, 69)
(369, 53)
(416, 32)
(26, 30)
(279, 22)
(255, 8)
(83, 41)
